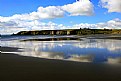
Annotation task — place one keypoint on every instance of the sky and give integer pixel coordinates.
(25, 15)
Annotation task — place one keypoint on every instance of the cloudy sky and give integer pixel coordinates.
(20, 15)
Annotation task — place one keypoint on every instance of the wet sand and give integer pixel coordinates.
(19, 68)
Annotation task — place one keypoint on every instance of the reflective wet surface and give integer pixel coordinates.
(71, 48)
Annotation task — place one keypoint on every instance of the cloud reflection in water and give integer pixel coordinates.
(100, 49)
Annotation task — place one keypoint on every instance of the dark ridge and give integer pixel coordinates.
(9, 49)
(53, 39)
(85, 31)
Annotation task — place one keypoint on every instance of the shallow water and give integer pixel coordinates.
(72, 48)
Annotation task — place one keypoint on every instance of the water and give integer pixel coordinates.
(80, 48)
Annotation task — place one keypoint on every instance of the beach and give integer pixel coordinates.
(60, 40)
(22, 68)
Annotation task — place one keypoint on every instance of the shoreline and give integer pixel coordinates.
(21, 68)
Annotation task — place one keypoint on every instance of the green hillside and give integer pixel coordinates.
(71, 32)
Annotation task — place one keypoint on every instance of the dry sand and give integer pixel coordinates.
(19, 68)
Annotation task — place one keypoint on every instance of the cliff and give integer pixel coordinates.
(71, 32)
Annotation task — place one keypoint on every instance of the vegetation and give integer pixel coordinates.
(71, 32)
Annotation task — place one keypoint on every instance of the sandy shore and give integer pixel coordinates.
(19, 68)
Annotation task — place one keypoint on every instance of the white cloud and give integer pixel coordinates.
(81, 7)
(77, 8)
(42, 13)
(10, 27)
(112, 5)
(112, 24)
(50, 12)
(31, 21)
(16, 26)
